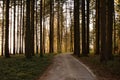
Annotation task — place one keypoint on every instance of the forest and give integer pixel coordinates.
(47, 28)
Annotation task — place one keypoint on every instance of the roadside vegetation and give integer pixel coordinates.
(19, 68)
(103, 71)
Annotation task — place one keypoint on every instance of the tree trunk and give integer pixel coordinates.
(88, 22)
(66, 46)
(44, 29)
(7, 55)
(58, 27)
(36, 30)
(110, 14)
(20, 26)
(83, 30)
(14, 27)
(76, 28)
(51, 27)
(28, 33)
(18, 29)
(10, 29)
(32, 26)
(62, 26)
(71, 32)
(97, 50)
(23, 30)
(41, 44)
(3, 29)
(103, 30)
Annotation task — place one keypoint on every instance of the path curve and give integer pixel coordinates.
(66, 67)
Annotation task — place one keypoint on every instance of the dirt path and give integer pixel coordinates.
(66, 67)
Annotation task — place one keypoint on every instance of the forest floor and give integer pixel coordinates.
(19, 68)
(67, 67)
(103, 71)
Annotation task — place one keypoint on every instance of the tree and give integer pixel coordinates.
(103, 56)
(58, 27)
(83, 29)
(71, 32)
(32, 26)
(3, 28)
(66, 31)
(23, 28)
(7, 55)
(44, 29)
(110, 8)
(62, 26)
(51, 27)
(14, 27)
(18, 27)
(27, 31)
(106, 27)
(41, 46)
(36, 29)
(87, 47)
(10, 29)
(76, 28)
(97, 50)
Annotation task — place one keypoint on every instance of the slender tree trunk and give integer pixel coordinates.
(88, 22)
(51, 50)
(58, 28)
(3, 29)
(76, 28)
(61, 40)
(71, 32)
(66, 30)
(83, 29)
(22, 3)
(20, 26)
(41, 44)
(7, 55)
(10, 29)
(115, 46)
(14, 27)
(32, 26)
(97, 50)
(36, 30)
(23, 31)
(44, 29)
(28, 33)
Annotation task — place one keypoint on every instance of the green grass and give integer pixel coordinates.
(20, 68)
(108, 71)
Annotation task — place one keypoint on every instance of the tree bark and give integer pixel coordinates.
(7, 55)
(28, 35)
(83, 30)
(110, 16)
(97, 50)
(88, 22)
(3, 32)
(58, 27)
(41, 44)
(14, 27)
(51, 50)
(36, 30)
(76, 28)
(32, 27)
(103, 56)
